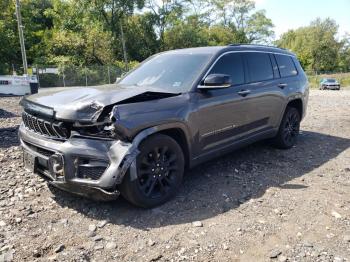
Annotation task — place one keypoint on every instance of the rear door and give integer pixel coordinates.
(289, 82)
(266, 99)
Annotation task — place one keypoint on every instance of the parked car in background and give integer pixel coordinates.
(329, 83)
(175, 110)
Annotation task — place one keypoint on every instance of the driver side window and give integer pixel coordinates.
(230, 64)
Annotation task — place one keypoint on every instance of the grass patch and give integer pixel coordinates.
(343, 79)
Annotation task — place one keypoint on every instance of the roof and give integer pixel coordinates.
(234, 47)
(266, 48)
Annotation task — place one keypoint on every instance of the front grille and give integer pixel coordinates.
(45, 128)
(91, 172)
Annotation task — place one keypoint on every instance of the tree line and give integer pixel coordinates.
(112, 32)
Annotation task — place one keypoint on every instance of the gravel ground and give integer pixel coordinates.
(256, 204)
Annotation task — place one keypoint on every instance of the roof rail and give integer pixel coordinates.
(270, 46)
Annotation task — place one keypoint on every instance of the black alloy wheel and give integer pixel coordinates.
(159, 168)
(156, 174)
(289, 129)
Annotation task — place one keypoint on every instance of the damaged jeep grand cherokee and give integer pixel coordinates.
(176, 110)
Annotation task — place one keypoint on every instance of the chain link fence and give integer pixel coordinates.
(66, 76)
(69, 75)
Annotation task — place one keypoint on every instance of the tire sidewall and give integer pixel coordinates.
(290, 110)
(130, 188)
(279, 141)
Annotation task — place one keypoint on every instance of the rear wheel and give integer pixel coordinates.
(289, 129)
(159, 168)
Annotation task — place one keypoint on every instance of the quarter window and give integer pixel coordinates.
(286, 66)
(259, 66)
(232, 65)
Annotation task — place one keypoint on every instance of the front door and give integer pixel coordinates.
(221, 113)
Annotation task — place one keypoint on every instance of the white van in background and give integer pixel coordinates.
(16, 85)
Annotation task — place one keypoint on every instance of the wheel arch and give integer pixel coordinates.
(177, 131)
(297, 104)
(180, 137)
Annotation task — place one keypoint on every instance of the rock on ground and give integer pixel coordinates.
(238, 207)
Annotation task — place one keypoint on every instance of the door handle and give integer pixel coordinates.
(282, 85)
(244, 92)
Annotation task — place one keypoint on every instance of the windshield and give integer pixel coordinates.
(331, 80)
(169, 71)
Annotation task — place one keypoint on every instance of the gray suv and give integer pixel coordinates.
(176, 110)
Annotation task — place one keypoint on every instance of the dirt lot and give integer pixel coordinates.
(256, 204)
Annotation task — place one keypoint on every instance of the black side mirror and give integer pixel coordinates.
(214, 81)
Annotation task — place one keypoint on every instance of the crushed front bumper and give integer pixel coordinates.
(85, 166)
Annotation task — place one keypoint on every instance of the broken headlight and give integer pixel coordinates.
(99, 130)
(109, 127)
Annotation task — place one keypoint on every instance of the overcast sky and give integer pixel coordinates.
(291, 14)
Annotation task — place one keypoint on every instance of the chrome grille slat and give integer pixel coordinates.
(49, 129)
(42, 127)
(58, 130)
(38, 125)
(30, 122)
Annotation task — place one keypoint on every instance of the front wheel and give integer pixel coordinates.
(288, 130)
(159, 168)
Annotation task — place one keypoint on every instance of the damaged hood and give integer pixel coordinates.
(85, 104)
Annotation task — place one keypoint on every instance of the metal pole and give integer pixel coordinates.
(64, 78)
(86, 80)
(109, 75)
(21, 37)
(124, 46)
(37, 75)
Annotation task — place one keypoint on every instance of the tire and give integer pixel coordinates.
(289, 129)
(159, 167)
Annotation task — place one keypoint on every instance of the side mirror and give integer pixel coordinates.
(215, 81)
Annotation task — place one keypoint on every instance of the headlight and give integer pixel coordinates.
(102, 131)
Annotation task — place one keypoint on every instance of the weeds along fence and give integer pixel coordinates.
(67, 76)
(315, 78)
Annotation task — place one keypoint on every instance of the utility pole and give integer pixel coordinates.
(21, 37)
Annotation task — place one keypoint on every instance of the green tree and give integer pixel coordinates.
(166, 13)
(35, 24)
(344, 54)
(316, 45)
(141, 38)
(184, 34)
(259, 28)
(114, 15)
(252, 26)
(9, 44)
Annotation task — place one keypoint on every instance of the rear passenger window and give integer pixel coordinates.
(286, 65)
(259, 66)
(232, 65)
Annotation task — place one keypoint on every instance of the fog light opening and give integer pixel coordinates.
(56, 165)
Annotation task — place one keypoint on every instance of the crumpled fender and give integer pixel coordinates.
(123, 156)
